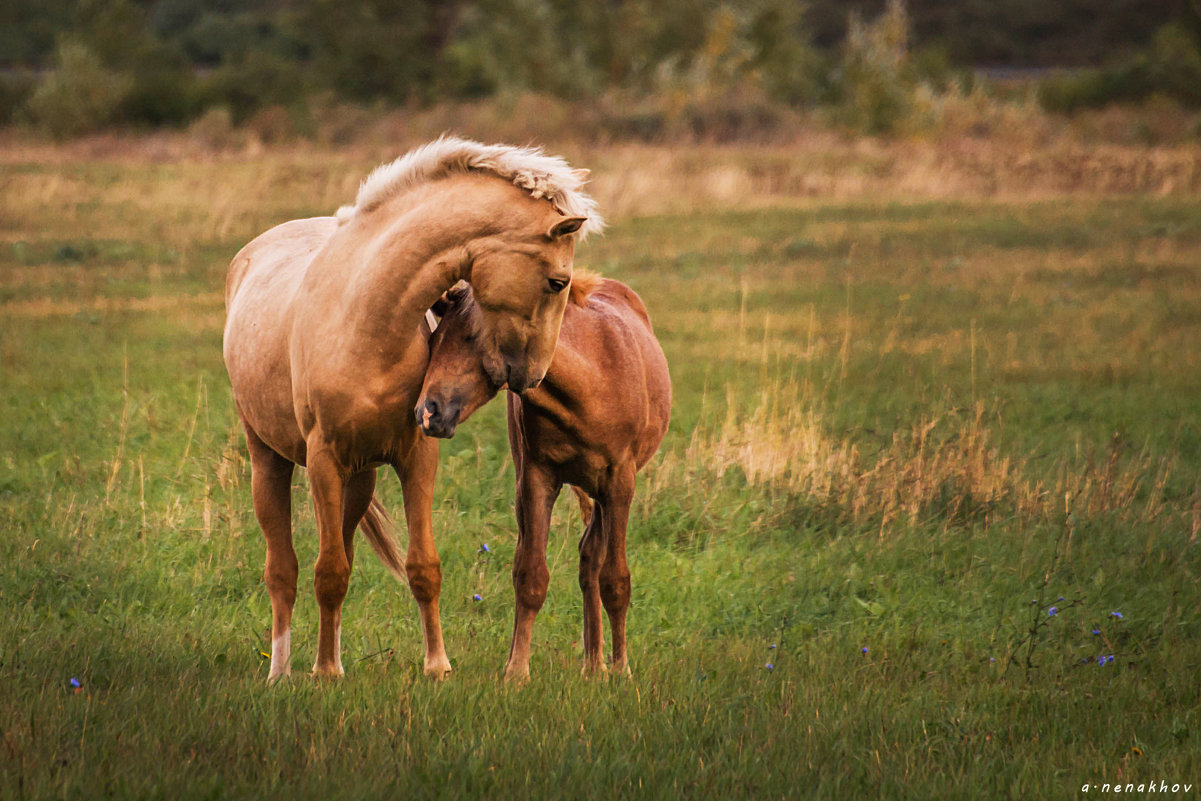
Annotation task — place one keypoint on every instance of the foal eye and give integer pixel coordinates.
(557, 284)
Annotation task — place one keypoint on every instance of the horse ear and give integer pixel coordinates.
(582, 174)
(565, 226)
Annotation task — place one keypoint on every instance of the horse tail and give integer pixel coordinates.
(376, 525)
(585, 504)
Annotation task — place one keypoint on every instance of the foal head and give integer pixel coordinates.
(456, 382)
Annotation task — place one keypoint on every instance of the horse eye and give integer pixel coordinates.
(557, 284)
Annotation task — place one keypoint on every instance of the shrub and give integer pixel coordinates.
(874, 85)
(16, 87)
(78, 95)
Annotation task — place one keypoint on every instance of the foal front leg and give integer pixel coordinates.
(331, 575)
(536, 493)
(422, 565)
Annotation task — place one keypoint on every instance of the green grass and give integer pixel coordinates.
(1050, 350)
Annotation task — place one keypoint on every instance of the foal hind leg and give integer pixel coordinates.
(271, 489)
(592, 556)
(615, 572)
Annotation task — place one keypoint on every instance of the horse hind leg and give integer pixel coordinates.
(359, 490)
(592, 555)
(271, 490)
(615, 572)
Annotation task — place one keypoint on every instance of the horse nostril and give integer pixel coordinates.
(425, 412)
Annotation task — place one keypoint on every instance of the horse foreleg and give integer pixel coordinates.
(615, 572)
(592, 555)
(536, 493)
(331, 575)
(271, 490)
(422, 566)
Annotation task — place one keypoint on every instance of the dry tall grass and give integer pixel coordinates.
(945, 467)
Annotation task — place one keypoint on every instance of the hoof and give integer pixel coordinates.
(282, 674)
(328, 672)
(517, 676)
(594, 670)
(438, 671)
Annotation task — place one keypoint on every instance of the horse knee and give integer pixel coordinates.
(530, 585)
(330, 582)
(281, 583)
(425, 580)
(615, 591)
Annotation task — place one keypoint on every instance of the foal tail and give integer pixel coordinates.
(376, 525)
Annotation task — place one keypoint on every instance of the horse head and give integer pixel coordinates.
(519, 285)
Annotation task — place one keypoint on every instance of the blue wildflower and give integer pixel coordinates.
(864, 650)
(1118, 615)
(484, 548)
(1096, 631)
(769, 666)
(1061, 597)
(1101, 661)
(1052, 611)
(992, 659)
(75, 682)
(771, 647)
(477, 597)
(1109, 658)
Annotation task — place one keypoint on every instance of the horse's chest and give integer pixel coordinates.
(565, 447)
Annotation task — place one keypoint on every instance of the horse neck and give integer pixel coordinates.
(418, 245)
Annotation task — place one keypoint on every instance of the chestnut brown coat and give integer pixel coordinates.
(597, 417)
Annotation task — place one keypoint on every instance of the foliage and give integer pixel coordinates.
(79, 95)
(875, 84)
(1171, 68)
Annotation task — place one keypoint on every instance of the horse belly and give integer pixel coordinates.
(264, 279)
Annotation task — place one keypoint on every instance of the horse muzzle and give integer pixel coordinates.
(437, 419)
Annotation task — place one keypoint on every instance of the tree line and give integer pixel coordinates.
(165, 61)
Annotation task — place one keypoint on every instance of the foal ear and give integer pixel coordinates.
(565, 226)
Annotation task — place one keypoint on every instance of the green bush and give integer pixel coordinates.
(874, 85)
(1172, 68)
(15, 90)
(78, 95)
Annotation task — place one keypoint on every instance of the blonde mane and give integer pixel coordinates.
(541, 175)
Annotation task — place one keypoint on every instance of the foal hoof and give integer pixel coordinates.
(594, 670)
(328, 671)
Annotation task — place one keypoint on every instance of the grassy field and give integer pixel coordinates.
(925, 523)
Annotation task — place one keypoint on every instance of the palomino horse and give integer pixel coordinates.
(326, 351)
(593, 422)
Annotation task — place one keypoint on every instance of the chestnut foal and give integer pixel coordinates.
(597, 418)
